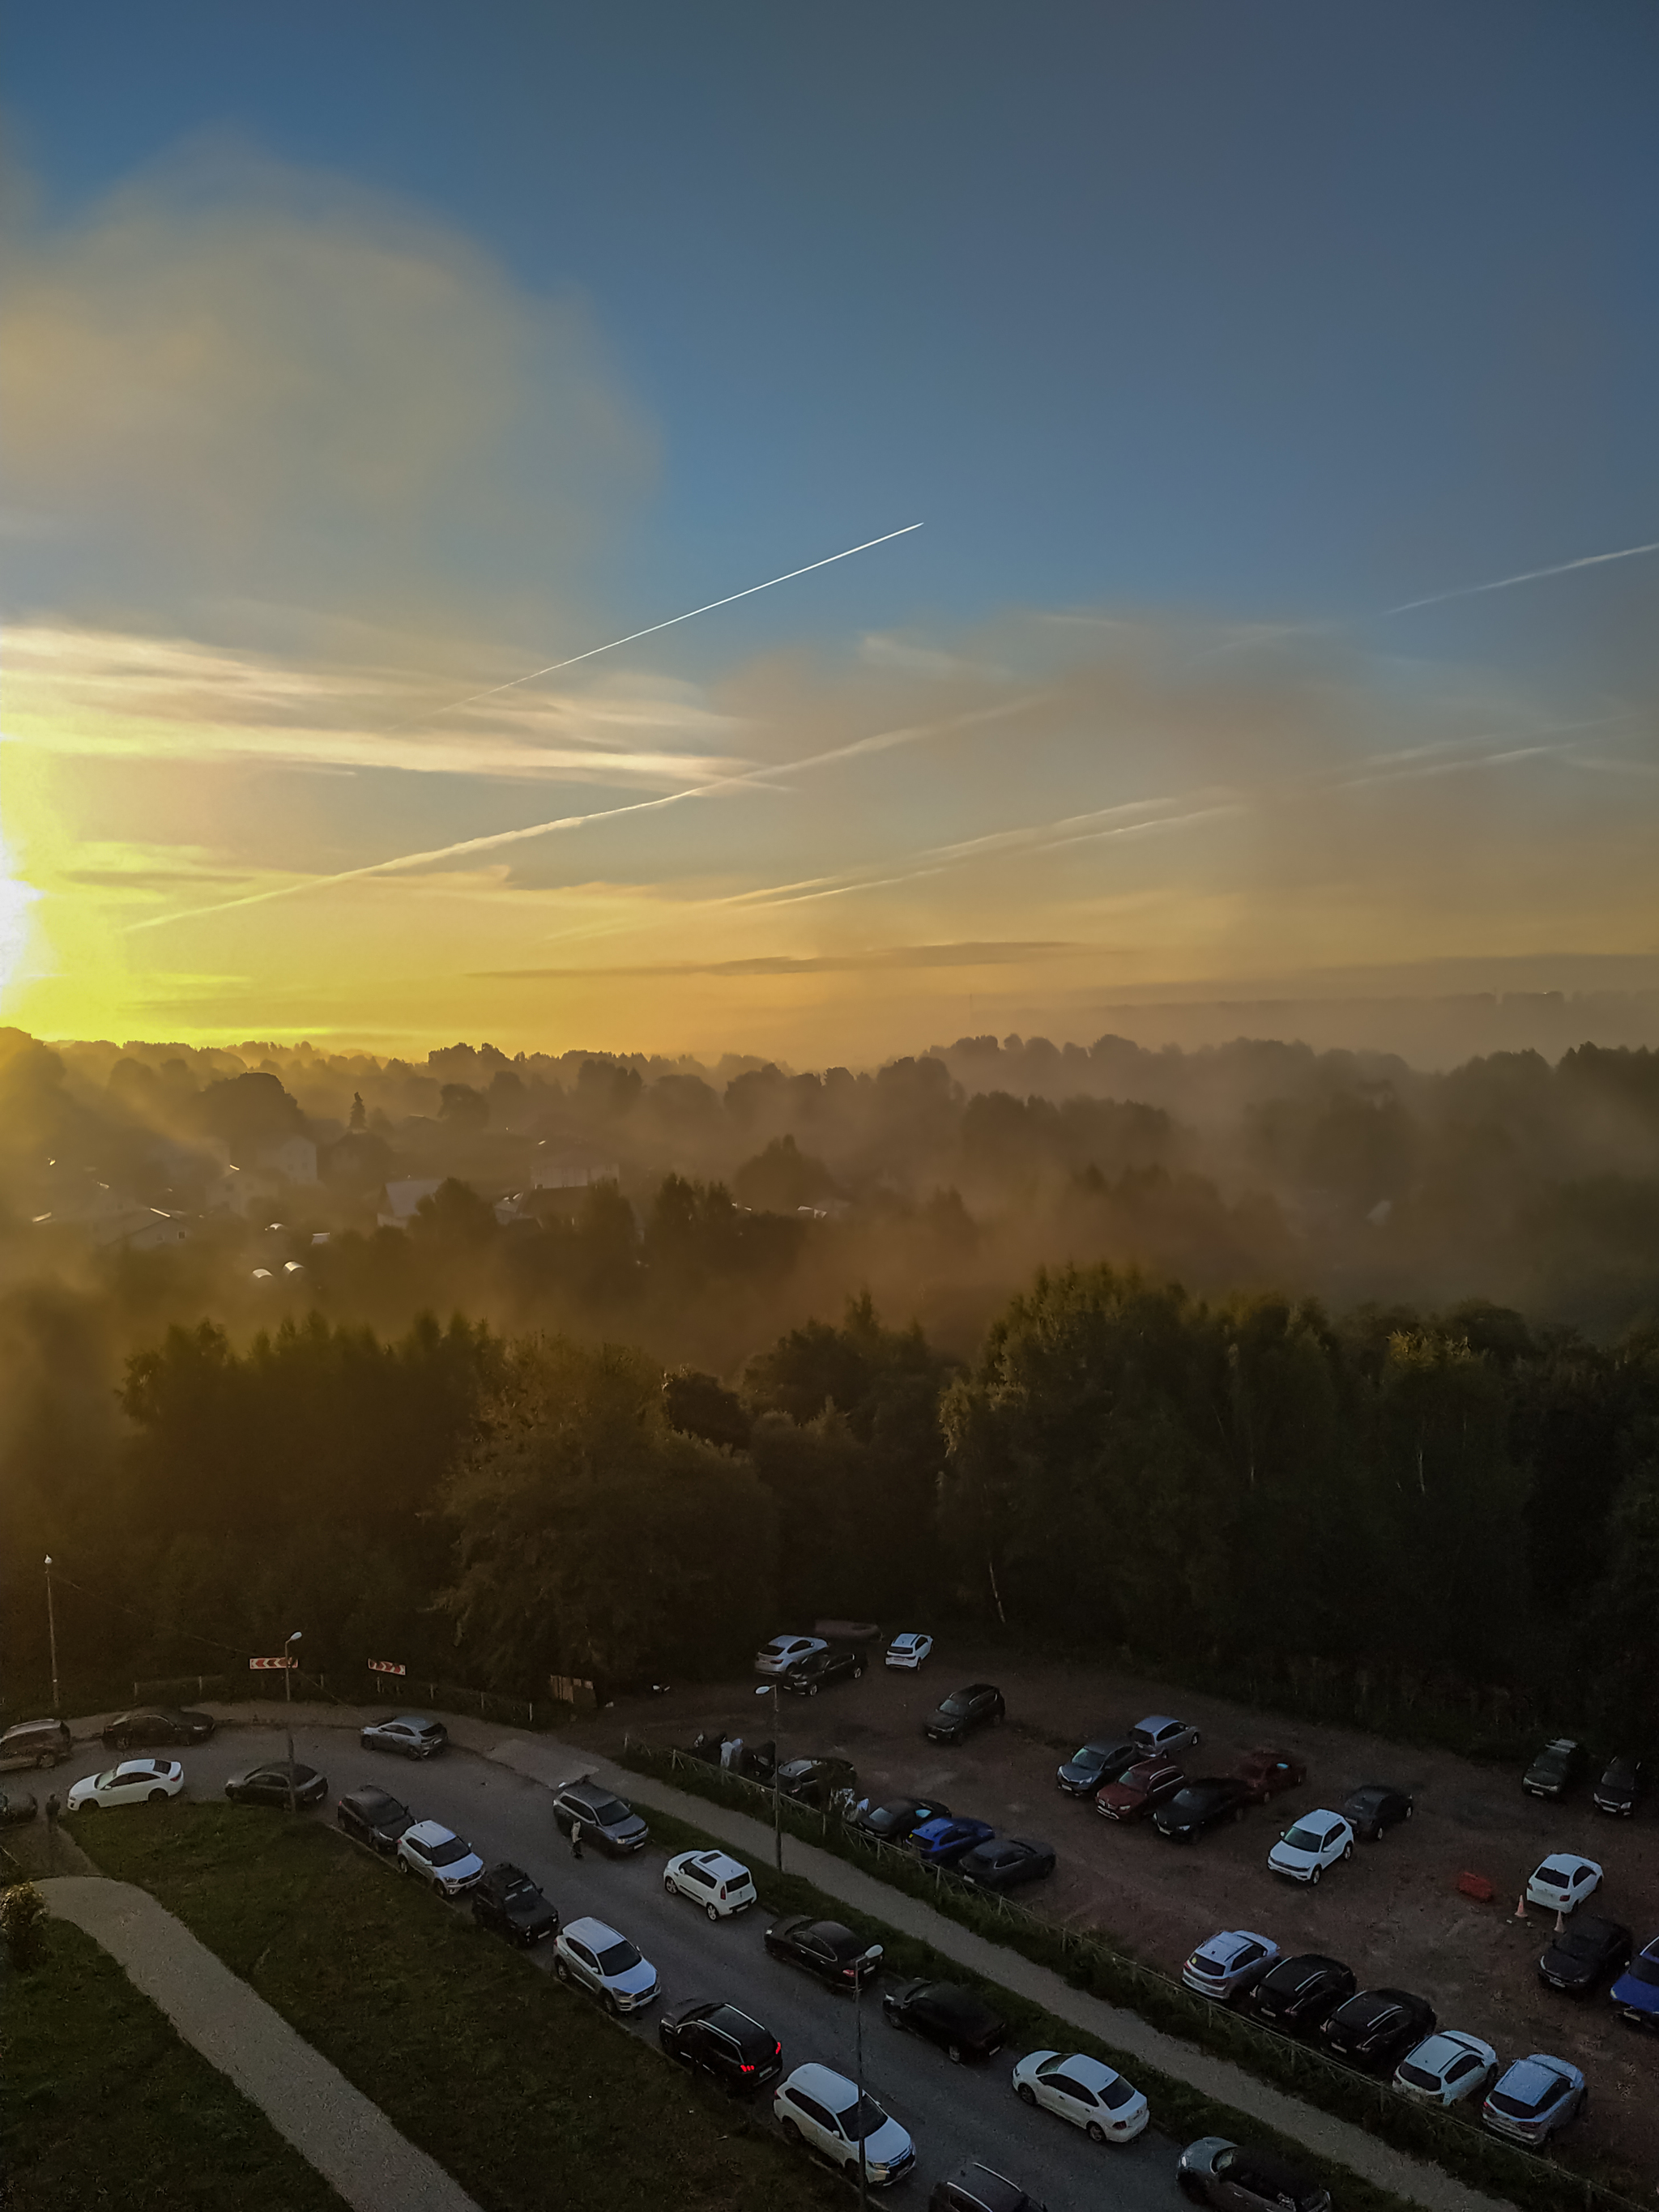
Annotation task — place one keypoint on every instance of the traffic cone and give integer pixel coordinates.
(1560, 1924)
(1521, 1906)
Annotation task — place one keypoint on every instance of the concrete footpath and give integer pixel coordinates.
(334, 2127)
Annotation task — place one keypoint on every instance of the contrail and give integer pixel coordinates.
(1528, 576)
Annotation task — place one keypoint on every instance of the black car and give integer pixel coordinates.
(1213, 2170)
(1375, 1808)
(35, 1743)
(899, 1817)
(965, 2030)
(965, 1711)
(1005, 1862)
(977, 2188)
(505, 1899)
(1298, 1993)
(823, 1948)
(816, 1782)
(718, 2040)
(1202, 1804)
(1556, 1768)
(1376, 2029)
(1093, 1765)
(807, 1676)
(1622, 1785)
(1584, 1951)
(156, 1724)
(16, 1806)
(269, 1785)
(373, 1817)
(606, 1820)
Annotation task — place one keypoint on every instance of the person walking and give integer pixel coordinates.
(575, 1839)
(53, 1808)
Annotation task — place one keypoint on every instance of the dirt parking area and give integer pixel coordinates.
(1393, 1913)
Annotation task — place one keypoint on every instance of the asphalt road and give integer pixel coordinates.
(952, 2112)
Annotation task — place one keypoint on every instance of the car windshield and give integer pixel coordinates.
(1418, 2076)
(1645, 1970)
(620, 1958)
(1305, 1839)
(1519, 2108)
(1116, 2094)
(104, 1778)
(523, 1892)
(956, 1704)
(611, 1811)
(864, 2118)
(446, 1854)
(1549, 1762)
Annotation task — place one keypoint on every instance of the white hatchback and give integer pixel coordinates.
(1446, 2068)
(1316, 1841)
(817, 2106)
(909, 1650)
(1083, 2091)
(134, 1782)
(1562, 1882)
(722, 1886)
(592, 1954)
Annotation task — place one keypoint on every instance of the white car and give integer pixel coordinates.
(439, 1856)
(592, 1954)
(908, 1650)
(1083, 2091)
(783, 1651)
(1562, 1882)
(722, 1886)
(1230, 1962)
(1446, 2068)
(1158, 1735)
(816, 2107)
(1316, 1841)
(134, 1782)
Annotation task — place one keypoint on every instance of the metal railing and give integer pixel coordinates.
(352, 1688)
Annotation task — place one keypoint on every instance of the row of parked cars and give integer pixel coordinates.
(1564, 1762)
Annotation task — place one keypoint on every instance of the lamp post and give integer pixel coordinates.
(770, 1689)
(51, 1635)
(288, 1701)
(870, 1958)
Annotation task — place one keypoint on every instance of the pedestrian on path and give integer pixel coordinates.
(575, 1839)
(53, 1808)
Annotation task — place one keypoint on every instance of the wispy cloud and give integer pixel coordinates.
(883, 958)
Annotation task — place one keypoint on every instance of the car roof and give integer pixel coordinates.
(416, 1720)
(1535, 2074)
(506, 1873)
(909, 1636)
(1226, 1942)
(143, 1767)
(433, 1832)
(369, 1793)
(720, 1862)
(1573, 1859)
(1454, 2041)
(27, 1727)
(598, 1934)
(825, 2083)
(1090, 2071)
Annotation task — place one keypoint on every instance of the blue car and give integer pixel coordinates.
(942, 1843)
(1636, 1992)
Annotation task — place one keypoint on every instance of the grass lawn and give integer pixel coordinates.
(105, 2105)
(521, 2089)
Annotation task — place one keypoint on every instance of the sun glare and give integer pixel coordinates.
(16, 897)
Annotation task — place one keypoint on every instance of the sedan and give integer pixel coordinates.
(1317, 1840)
(965, 1711)
(1230, 1963)
(1094, 1763)
(1216, 2171)
(1556, 1768)
(506, 1900)
(1158, 1733)
(823, 2109)
(717, 2040)
(268, 1785)
(16, 1806)
(1299, 1993)
(807, 1676)
(1447, 2068)
(1374, 1808)
(591, 1954)
(1585, 1950)
(965, 2030)
(615, 1826)
(720, 1885)
(1080, 2090)
(135, 1782)
(1622, 1785)
(1376, 2029)
(898, 1819)
(908, 1651)
(439, 1856)
(1005, 1863)
(1201, 1805)
(1636, 1992)
(371, 1816)
(783, 1651)
(823, 1948)
(1268, 1772)
(1534, 2098)
(156, 1724)
(942, 1843)
(1140, 1790)
(411, 1733)
(1562, 1882)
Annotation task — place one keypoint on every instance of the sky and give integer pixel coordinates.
(356, 363)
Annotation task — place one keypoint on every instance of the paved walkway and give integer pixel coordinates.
(349, 2141)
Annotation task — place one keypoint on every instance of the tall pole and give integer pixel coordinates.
(777, 1761)
(870, 1958)
(288, 1701)
(51, 1634)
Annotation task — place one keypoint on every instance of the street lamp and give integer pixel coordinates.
(770, 1689)
(870, 1958)
(288, 1700)
(52, 1633)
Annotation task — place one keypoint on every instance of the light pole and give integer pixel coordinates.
(51, 1635)
(870, 1958)
(288, 1700)
(771, 1689)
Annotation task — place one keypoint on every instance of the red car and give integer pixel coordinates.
(1134, 1794)
(1268, 1772)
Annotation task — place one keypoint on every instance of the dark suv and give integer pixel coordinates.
(718, 2040)
(965, 1711)
(1097, 1762)
(1556, 1768)
(373, 1817)
(818, 1781)
(807, 1676)
(35, 1743)
(606, 1820)
(1376, 2029)
(507, 1900)
(1298, 1993)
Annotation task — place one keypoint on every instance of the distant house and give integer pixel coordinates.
(121, 1225)
(240, 1190)
(294, 1159)
(403, 1197)
(569, 1164)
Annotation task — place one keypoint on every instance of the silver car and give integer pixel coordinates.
(591, 1954)
(411, 1733)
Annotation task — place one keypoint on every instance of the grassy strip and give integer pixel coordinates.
(1445, 2139)
(105, 2105)
(520, 2088)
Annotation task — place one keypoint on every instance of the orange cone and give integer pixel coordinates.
(1521, 1906)
(1560, 1924)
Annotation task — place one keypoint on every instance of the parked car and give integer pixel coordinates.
(156, 1724)
(591, 1954)
(1298, 1994)
(820, 1782)
(1562, 1882)
(717, 2040)
(965, 1711)
(1139, 1789)
(897, 1818)
(908, 1651)
(977, 2188)
(268, 1785)
(966, 2030)
(1201, 1805)
(1623, 1786)
(606, 1820)
(1230, 1963)
(1213, 2170)
(35, 1743)
(1316, 1841)
(16, 1806)
(1094, 1763)
(1004, 1862)
(1268, 1772)
(134, 1782)
(506, 1900)
(1555, 1770)
(370, 1816)
(437, 1854)
(1586, 1949)
(721, 1885)
(1158, 1734)
(1375, 1808)
(942, 1843)
(1375, 2029)
(1446, 2068)
(1636, 1992)
(1080, 2090)
(823, 2109)
(783, 1651)
(410, 1733)
(822, 1948)
(1534, 2098)
(807, 1676)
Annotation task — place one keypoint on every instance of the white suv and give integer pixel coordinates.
(722, 1886)
(1316, 1841)
(439, 1856)
(593, 1954)
(824, 2109)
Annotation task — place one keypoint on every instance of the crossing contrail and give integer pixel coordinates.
(1527, 576)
